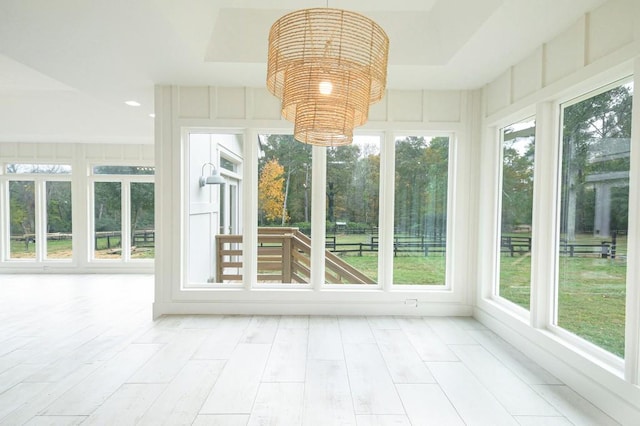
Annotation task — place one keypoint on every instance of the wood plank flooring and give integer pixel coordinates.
(83, 349)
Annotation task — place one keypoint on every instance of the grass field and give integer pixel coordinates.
(62, 249)
(591, 296)
(591, 292)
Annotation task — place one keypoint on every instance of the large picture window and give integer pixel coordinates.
(518, 149)
(594, 215)
(284, 210)
(421, 193)
(353, 180)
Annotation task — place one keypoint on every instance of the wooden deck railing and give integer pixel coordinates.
(284, 255)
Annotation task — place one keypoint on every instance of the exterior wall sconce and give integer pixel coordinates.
(213, 179)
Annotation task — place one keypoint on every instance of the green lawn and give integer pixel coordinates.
(515, 279)
(418, 270)
(591, 292)
(21, 250)
(591, 301)
(591, 296)
(61, 249)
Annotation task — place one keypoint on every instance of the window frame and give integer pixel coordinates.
(552, 326)
(125, 211)
(40, 206)
(452, 217)
(505, 303)
(318, 175)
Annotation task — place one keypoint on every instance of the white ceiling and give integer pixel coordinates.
(67, 66)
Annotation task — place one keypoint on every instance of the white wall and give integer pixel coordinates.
(204, 220)
(581, 56)
(250, 111)
(204, 212)
(600, 48)
(81, 157)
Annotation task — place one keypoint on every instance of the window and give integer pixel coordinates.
(50, 169)
(353, 181)
(421, 191)
(594, 213)
(123, 170)
(142, 220)
(40, 221)
(284, 210)
(22, 218)
(58, 213)
(518, 148)
(108, 220)
(123, 213)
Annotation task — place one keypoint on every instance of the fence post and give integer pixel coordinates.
(614, 240)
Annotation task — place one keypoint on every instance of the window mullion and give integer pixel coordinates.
(125, 242)
(318, 215)
(544, 217)
(41, 219)
(385, 226)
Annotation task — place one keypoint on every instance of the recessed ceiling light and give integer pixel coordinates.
(132, 103)
(152, 115)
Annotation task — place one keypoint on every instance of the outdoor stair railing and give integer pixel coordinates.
(284, 256)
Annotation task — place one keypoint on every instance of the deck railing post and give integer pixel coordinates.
(287, 258)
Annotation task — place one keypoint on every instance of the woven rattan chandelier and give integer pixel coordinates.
(327, 66)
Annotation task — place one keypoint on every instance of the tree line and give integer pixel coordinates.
(107, 200)
(353, 182)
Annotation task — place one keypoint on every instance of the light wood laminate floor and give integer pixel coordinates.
(84, 350)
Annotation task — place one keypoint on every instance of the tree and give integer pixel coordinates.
(341, 165)
(295, 158)
(108, 206)
(22, 207)
(517, 181)
(58, 206)
(421, 186)
(142, 206)
(271, 195)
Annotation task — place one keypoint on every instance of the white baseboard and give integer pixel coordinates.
(310, 308)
